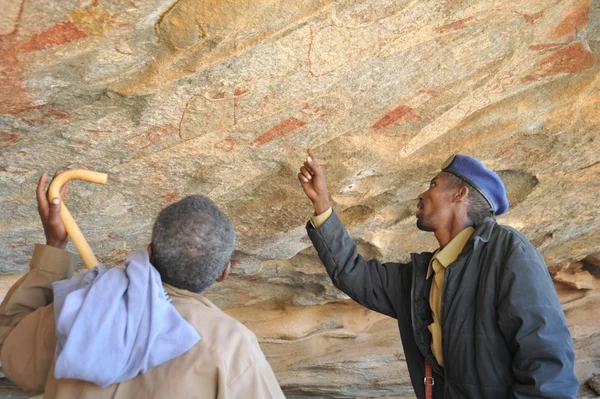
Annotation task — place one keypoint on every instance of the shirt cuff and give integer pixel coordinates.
(53, 260)
(318, 220)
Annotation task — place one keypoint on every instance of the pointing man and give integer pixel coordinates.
(479, 317)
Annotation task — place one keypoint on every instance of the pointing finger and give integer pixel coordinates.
(313, 161)
(311, 157)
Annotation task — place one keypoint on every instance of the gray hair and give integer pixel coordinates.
(192, 243)
(479, 208)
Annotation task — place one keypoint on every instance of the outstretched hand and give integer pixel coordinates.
(312, 178)
(54, 229)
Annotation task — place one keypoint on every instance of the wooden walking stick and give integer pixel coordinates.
(72, 229)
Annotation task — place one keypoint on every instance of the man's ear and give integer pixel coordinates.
(461, 194)
(225, 273)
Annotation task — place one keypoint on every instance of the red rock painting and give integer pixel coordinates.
(218, 109)
(401, 113)
(9, 137)
(456, 25)
(521, 150)
(169, 198)
(571, 59)
(237, 92)
(152, 136)
(284, 128)
(576, 19)
(120, 254)
(61, 33)
(159, 173)
(45, 116)
(227, 145)
(185, 107)
(533, 18)
(545, 46)
(13, 96)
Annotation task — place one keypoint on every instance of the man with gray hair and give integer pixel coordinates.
(72, 337)
(192, 243)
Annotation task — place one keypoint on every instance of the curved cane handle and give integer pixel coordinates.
(72, 229)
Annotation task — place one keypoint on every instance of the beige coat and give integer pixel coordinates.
(226, 363)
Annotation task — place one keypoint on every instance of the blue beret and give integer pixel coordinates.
(484, 180)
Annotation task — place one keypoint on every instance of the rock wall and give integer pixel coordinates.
(222, 97)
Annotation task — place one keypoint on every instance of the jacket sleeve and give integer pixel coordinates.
(370, 283)
(533, 323)
(27, 335)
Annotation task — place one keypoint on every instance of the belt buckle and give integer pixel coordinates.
(429, 381)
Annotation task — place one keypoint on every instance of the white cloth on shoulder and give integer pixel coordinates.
(113, 324)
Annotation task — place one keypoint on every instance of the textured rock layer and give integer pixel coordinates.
(221, 97)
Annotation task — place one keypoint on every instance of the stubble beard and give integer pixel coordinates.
(423, 225)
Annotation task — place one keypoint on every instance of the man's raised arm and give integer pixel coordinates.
(26, 319)
(370, 283)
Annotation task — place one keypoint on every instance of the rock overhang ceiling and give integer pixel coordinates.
(222, 98)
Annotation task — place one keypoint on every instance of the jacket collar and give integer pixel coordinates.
(175, 292)
(482, 233)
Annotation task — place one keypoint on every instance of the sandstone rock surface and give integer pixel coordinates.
(221, 97)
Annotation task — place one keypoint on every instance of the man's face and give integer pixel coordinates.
(434, 208)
